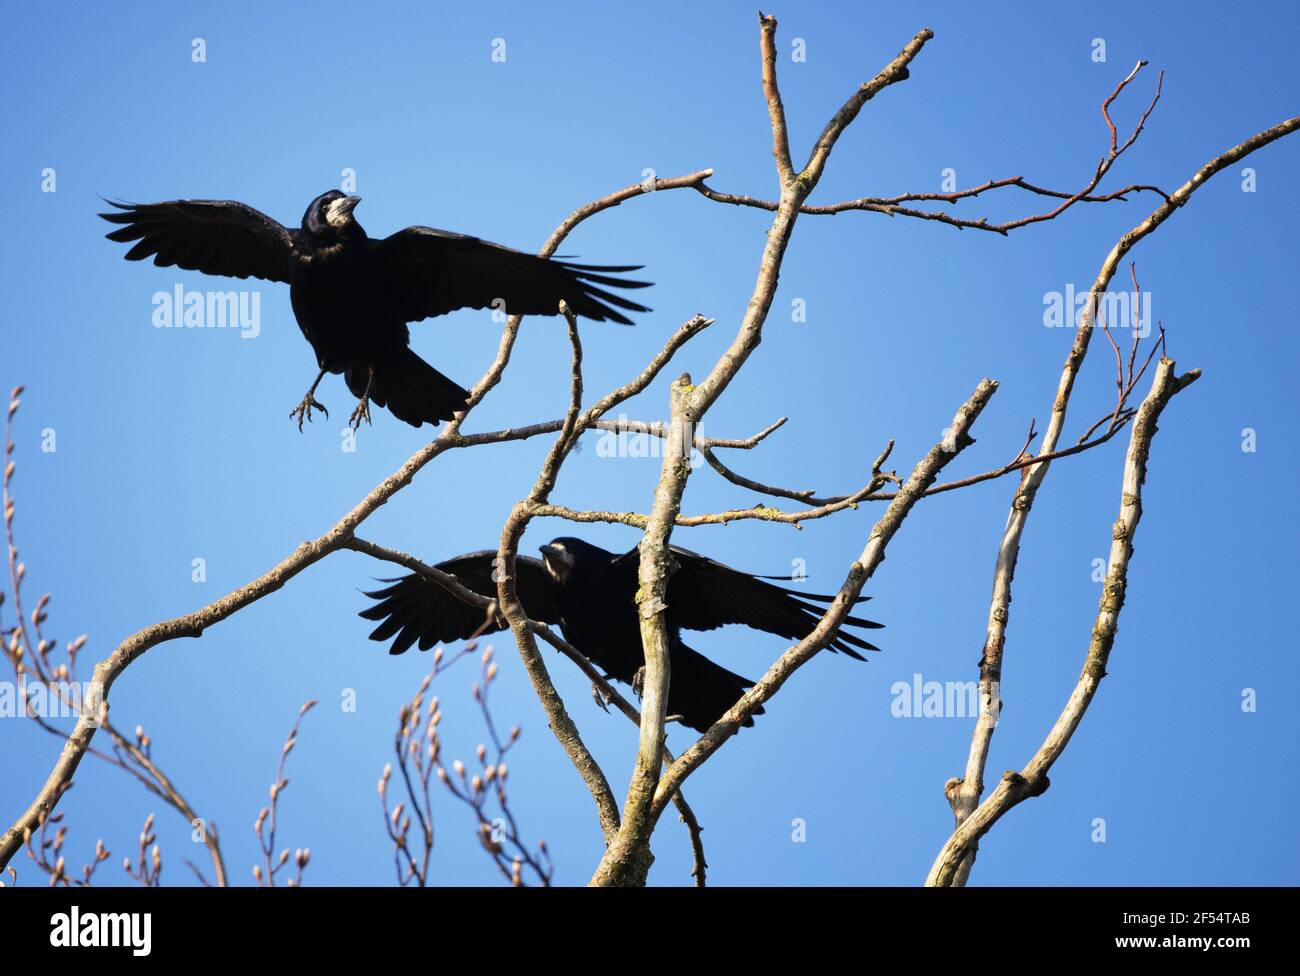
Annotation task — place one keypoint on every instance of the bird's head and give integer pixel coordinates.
(562, 555)
(330, 216)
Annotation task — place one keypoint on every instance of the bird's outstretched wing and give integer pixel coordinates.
(414, 610)
(431, 272)
(217, 237)
(704, 594)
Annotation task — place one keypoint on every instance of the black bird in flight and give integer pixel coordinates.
(353, 296)
(591, 594)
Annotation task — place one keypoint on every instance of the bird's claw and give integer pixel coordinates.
(303, 410)
(638, 681)
(362, 412)
(599, 697)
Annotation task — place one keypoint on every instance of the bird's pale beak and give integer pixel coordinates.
(349, 204)
(556, 556)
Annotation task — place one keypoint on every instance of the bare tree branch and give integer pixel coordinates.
(1032, 780)
(561, 724)
(626, 859)
(964, 793)
(892, 206)
(772, 95)
(825, 506)
(574, 424)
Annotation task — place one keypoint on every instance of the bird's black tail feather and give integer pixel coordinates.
(411, 389)
(701, 691)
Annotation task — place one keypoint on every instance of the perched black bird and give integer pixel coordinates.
(591, 594)
(353, 296)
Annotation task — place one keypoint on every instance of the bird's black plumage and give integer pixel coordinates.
(353, 296)
(590, 593)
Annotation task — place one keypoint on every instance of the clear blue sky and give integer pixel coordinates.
(174, 445)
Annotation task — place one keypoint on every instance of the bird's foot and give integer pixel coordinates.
(303, 410)
(599, 697)
(362, 412)
(638, 681)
